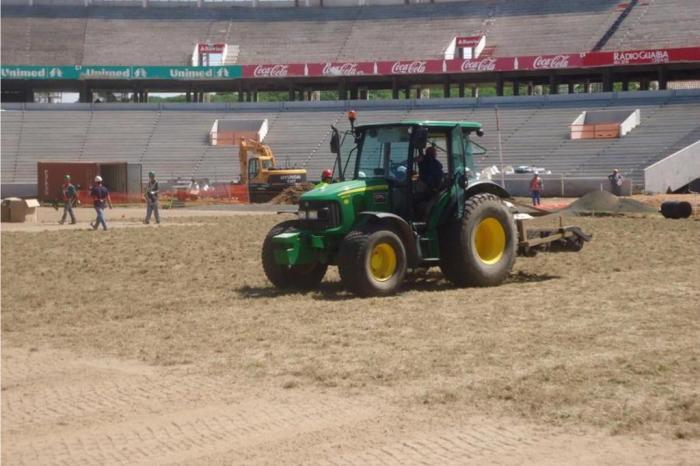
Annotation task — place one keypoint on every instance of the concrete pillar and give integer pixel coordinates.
(461, 89)
(85, 95)
(407, 92)
(446, 90)
(608, 81)
(663, 80)
(499, 86)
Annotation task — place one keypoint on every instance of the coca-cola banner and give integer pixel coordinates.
(478, 65)
(274, 70)
(341, 69)
(410, 67)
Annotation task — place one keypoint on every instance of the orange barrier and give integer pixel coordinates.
(601, 131)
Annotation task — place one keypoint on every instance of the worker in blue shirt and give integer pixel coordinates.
(100, 198)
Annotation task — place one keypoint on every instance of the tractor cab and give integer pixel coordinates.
(399, 155)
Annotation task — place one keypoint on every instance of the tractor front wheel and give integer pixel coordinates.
(372, 262)
(480, 250)
(299, 277)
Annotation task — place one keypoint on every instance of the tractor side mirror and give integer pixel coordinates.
(480, 132)
(335, 141)
(420, 138)
(462, 180)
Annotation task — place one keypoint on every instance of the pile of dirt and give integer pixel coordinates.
(603, 202)
(292, 194)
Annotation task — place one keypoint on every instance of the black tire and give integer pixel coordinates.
(297, 277)
(355, 262)
(460, 259)
(676, 209)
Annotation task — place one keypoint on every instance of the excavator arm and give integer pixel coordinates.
(246, 147)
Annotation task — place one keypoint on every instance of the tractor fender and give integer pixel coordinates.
(400, 227)
(486, 187)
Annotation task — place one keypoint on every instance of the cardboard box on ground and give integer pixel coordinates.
(18, 210)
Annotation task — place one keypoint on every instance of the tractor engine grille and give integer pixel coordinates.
(319, 215)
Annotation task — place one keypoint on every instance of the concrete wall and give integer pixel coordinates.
(675, 171)
(18, 190)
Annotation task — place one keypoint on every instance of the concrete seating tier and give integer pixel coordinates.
(172, 140)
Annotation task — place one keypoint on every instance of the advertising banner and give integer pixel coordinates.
(372, 68)
(274, 71)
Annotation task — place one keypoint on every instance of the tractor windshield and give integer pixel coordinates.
(383, 153)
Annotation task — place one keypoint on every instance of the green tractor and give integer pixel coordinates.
(384, 219)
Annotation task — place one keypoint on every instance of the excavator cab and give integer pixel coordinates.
(259, 171)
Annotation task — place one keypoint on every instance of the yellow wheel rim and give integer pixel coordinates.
(382, 264)
(490, 240)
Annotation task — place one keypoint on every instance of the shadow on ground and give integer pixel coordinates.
(430, 281)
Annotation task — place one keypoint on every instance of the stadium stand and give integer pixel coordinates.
(69, 35)
(172, 139)
(658, 24)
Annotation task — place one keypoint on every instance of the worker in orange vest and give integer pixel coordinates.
(536, 187)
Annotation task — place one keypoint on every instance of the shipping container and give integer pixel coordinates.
(121, 178)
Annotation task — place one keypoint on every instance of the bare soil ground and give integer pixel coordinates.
(167, 345)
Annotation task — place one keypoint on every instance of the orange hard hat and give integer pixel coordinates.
(326, 174)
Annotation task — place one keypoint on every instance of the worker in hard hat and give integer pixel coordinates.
(69, 195)
(616, 182)
(326, 178)
(100, 198)
(151, 196)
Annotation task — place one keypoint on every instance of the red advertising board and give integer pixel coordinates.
(274, 70)
(211, 48)
(470, 41)
(341, 69)
(478, 65)
(410, 67)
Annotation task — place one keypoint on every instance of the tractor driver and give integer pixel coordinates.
(429, 172)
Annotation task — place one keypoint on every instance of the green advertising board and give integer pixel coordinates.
(90, 72)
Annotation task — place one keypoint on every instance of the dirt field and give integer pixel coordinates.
(167, 345)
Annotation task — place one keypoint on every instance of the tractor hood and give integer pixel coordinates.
(344, 189)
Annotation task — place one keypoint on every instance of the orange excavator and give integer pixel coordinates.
(260, 173)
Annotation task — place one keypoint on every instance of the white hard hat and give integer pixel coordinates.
(98, 179)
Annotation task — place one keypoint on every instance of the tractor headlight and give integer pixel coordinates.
(312, 214)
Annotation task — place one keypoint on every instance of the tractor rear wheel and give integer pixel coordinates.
(372, 262)
(480, 250)
(299, 277)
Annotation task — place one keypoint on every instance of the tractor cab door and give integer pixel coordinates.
(459, 148)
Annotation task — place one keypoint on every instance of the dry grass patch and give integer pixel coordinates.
(606, 337)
